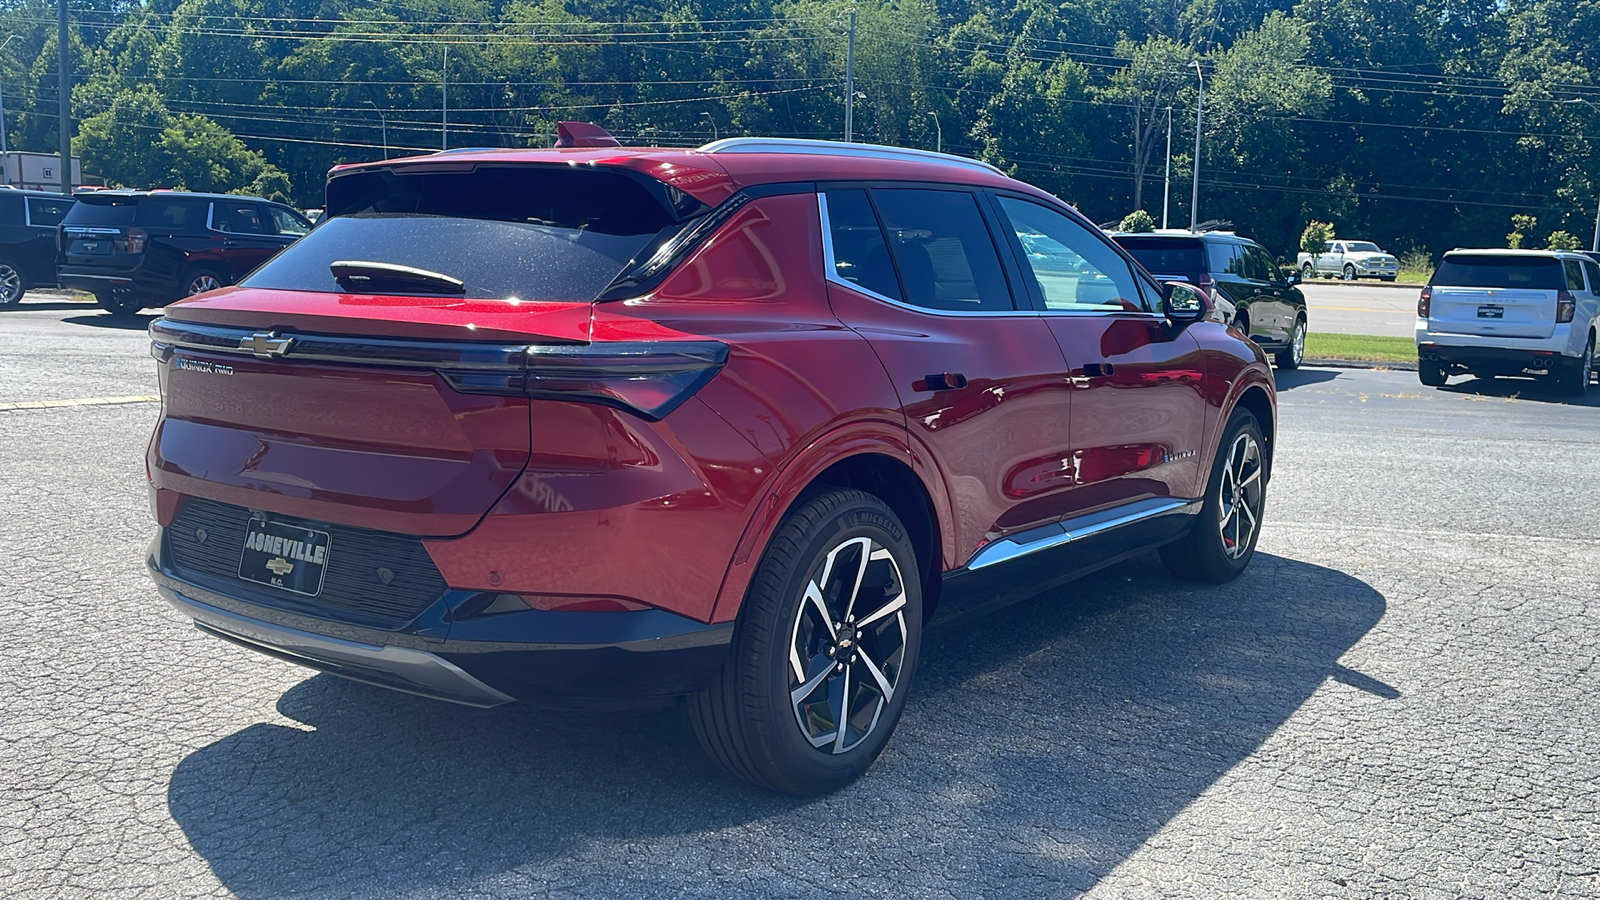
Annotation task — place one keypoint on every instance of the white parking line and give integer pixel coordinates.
(86, 401)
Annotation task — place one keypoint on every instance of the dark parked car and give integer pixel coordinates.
(28, 221)
(1267, 306)
(730, 423)
(134, 249)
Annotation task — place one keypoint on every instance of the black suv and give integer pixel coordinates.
(1267, 306)
(134, 249)
(28, 221)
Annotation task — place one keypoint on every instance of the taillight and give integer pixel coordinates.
(651, 378)
(1204, 282)
(137, 239)
(1566, 306)
(60, 245)
(1425, 302)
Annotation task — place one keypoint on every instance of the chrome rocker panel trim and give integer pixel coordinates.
(1056, 534)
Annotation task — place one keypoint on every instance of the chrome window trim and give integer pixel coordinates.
(1066, 531)
(831, 273)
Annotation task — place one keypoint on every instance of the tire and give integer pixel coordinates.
(1431, 373)
(1576, 374)
(1241, 321)
(1387, 277)
(1290, 357)
(1349, 272)
(1223, 539)
(12, 284)
(199, 281)
(119, 304)
(749, 720)
(1307, 272)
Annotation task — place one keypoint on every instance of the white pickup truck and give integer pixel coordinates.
(1349, 260)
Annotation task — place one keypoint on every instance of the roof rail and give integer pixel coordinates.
(840, 148)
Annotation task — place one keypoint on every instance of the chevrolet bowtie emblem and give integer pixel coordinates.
(266, 344)
(280, 566)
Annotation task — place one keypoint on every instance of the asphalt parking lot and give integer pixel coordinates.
(1400, 698)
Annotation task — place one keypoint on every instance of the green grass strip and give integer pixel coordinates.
(1361, 346)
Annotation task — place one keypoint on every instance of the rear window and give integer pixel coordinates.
(525, 232)
(1533, 272)
(1166, 256)
(102, 211)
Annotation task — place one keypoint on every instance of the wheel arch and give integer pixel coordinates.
(1255, 398)
(887, 469)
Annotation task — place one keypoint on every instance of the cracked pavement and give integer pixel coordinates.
(1398, 699)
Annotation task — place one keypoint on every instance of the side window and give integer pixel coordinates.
(1593, 271)
(1260, 267)
(1328, 247)
(1074, 269)
(1338, 248)
(43, 211)
(287, 223)
(943, 250)
(1226, 258)
(238, 218)
(172, 213)
(860, 254)
(1574, 274)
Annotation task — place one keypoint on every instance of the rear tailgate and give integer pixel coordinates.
(345, 426)
(1502, 312)
(1495, 294)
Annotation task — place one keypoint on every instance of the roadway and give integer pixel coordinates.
(1361, 308)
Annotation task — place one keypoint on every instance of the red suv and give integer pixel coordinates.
(729, 423)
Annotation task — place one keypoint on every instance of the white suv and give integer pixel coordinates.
(1510, 312)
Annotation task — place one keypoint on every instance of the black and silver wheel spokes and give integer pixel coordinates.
(10, 285)
(1298, 349)
(1239, 496)
(848, 645)
(202, 283)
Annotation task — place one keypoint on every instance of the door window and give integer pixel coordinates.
(1074, 269)
(46, 211)
(1574, 275)
(1593, 271)
(943, 250)
(287, 223)
(1258, 266)
(239, 218)
(1226, 259)
(860, 253)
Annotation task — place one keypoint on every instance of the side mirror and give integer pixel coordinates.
(1183, 304)
(1295, 277)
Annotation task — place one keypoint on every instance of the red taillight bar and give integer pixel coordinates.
(1425, 301)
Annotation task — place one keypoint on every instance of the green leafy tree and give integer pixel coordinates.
(1137, 222)
(138, 142)
(1562, 240)
(1315, 238)
(1521, 224)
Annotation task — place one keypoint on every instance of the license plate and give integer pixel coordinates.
(287, 557)
(91, 247)
(1491, 312)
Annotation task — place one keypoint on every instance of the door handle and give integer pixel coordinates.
(230, 243)
(944, 381)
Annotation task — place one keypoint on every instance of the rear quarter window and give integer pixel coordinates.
(48, 211)
(1166, 256)
(1488, 271)
(175, 213)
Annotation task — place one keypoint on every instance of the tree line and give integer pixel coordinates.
(1414, 123)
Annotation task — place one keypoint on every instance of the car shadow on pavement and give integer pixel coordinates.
(44, 306)
(134, 322)
(1042, 746)
(1537, 390)
(1293, 378)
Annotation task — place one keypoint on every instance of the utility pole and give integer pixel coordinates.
(444, 108)
(383, 123)
(1199, 104)
(1596, 245)
(849, 79)
(938, 132)
(64, 97)
(1166, 189)
(5, 155)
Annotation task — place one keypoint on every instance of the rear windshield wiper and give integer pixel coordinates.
(355, 274)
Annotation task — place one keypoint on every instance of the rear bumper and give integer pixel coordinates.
(94, 280)
(1498, 360)
(558, 658)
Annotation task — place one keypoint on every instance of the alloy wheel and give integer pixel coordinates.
(1297, 347)
(1349, 273)
(10, 284)
(203, 282)
(848, 644)
(1240, 493)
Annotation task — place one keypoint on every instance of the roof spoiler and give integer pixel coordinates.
(583, 134)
